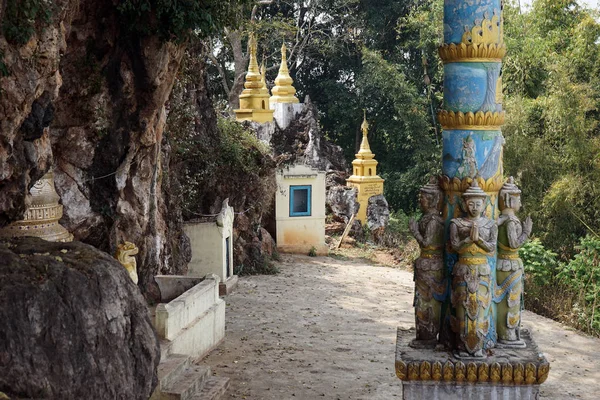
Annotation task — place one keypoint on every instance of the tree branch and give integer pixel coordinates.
(218, 65)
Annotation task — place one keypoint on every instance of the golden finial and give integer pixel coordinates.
(283, 55)
(253, 66)
(364, 127)
(263, 74)
(365, 149)
(253, 44)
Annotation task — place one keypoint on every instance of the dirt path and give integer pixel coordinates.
(325, 329)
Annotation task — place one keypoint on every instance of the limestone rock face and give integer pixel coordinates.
(378, 214)
(302, 140)
(88, 97)
(342, 201)
(74, 325)
(26, 109)
(107, 135)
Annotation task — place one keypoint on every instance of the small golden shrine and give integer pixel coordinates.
(364, 174)
(283, 91)
(42, 215)
(254, 100)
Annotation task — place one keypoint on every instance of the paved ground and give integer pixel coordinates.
(325, 329)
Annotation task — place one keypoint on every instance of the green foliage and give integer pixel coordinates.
(235, 155)
(176, 20)
(552, 83)
(240, 146)
(540, 263)
(583, 275)
(20, 19)
(312, 252)
(396, 233)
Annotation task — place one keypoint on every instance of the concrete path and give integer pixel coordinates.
(325, 329)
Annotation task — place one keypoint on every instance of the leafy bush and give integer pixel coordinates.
(396, 233)
(20, 18)
(583, 275)
(540, 263)
(544, 293)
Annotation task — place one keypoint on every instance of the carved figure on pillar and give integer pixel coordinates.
(512, 233)
(474, 239)
(429, 267)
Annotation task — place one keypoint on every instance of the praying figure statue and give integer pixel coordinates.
(474, 239)
(429, 267)
(512, 233)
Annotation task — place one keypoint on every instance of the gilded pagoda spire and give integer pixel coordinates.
(364, 177)
(283, 91)
(254, 100)
(365, 152)
(253, 77)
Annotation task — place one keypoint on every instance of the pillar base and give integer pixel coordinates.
(446, 391)
(434, 373)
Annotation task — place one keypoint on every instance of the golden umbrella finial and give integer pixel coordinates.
(364, 127)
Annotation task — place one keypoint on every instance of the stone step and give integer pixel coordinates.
(214, 388)
(169, 369)
(187, 384)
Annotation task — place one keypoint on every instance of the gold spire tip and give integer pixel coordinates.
(365, 125)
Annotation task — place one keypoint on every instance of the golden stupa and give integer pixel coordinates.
(254, 100)
(42, 215)
(283, 91)
(364, 174)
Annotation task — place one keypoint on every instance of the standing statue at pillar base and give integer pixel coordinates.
(474, 239)
(512, 233)
(429, 267)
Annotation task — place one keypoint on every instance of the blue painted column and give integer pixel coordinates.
(471, 119)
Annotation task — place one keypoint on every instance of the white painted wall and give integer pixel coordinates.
(300, 234)
(208, 241)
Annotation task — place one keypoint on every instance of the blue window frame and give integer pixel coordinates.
(300, 200)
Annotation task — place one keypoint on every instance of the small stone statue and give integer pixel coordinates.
(429, 267)
(125, 254)
(474, 239)
(509, 271)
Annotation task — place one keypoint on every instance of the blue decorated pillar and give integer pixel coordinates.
(471, 119)
(473, 235)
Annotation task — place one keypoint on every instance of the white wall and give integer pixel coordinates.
(300, 234)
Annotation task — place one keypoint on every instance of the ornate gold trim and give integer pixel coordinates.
(427, 255)
(478, 121)
(401, 370)
(542, 372)
(493, 184)
(473, 372)
(436, 373)
(472, 261)
(472, 52)
(506, 256)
